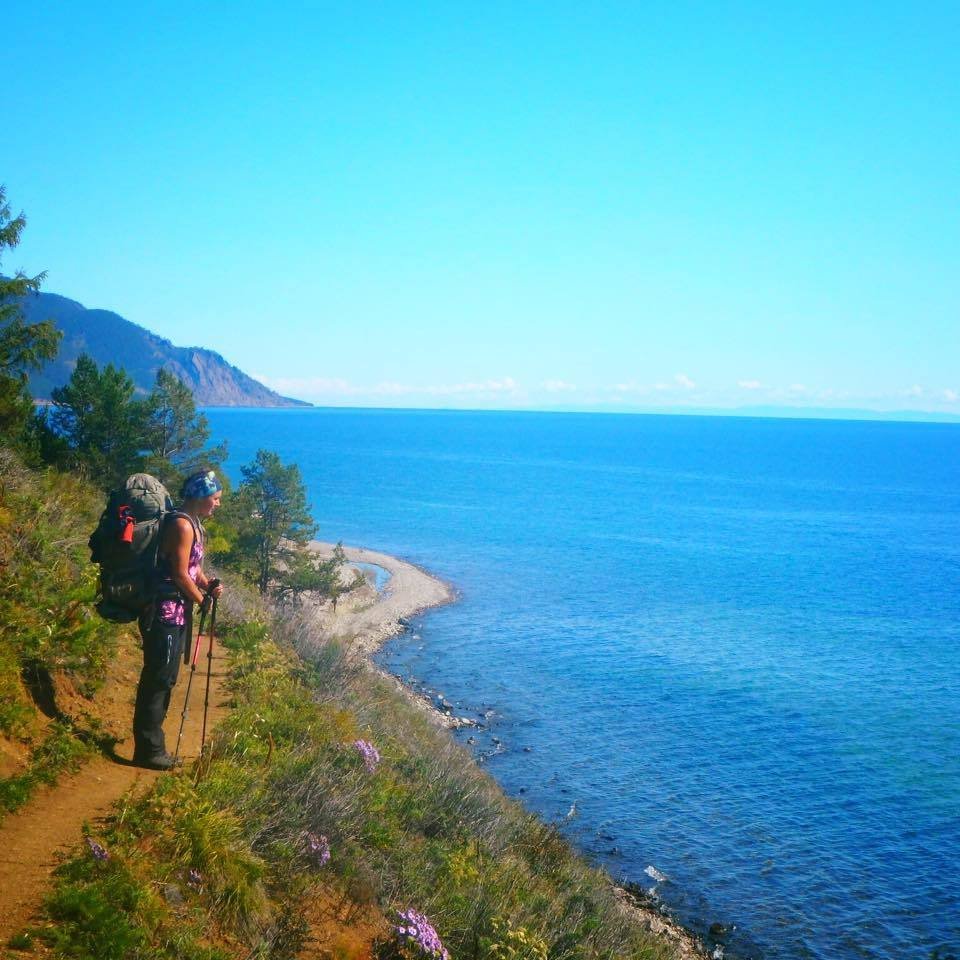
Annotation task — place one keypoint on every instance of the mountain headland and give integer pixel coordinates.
(110, 338)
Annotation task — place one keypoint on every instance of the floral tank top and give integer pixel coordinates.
(174, 611)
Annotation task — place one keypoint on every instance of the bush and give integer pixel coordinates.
(47, 625)
(48, 588)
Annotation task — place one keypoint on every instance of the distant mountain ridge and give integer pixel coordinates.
(110, 338)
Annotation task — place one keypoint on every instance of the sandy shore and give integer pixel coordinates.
(367, 618)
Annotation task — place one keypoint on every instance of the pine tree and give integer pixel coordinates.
(274, 517)
(305, 573)
(103, 425)
(23, 346)
(177, 436)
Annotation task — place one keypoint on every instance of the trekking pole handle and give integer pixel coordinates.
(208, 597)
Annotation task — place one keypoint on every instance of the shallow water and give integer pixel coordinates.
(379, 576)
(731, 642)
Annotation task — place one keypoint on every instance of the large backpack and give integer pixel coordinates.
(125, 544)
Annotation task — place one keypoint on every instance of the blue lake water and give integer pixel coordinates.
(733, 643)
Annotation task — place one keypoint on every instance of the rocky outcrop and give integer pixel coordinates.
(216, 383)
(110, 338)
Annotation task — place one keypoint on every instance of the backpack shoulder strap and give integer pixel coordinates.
(194, 524)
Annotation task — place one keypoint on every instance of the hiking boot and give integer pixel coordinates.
(156, 761)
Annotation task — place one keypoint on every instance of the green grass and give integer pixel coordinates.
(108, 910)
(48, 628)
(61, 751)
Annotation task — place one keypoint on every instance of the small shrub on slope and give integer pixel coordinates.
(48, 585)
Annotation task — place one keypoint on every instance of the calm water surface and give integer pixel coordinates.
(732, 642)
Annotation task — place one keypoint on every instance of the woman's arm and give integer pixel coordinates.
(178, 540)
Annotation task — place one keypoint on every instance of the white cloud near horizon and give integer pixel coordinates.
(680, 391)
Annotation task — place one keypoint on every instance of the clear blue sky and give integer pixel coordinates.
(507, 204)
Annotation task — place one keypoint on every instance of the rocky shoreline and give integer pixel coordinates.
(366, 619)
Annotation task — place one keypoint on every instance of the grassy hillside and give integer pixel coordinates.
(327, 805)
(50, 638)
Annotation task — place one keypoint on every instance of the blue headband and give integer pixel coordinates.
(201, 485)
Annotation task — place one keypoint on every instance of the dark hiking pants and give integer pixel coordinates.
(162, 652)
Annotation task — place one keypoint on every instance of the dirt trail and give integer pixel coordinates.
(33, 840)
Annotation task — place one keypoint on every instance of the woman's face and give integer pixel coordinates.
(206, 505)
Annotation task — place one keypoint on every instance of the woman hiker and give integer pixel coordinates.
(165, 624)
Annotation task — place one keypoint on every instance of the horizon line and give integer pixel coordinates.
(843, 414)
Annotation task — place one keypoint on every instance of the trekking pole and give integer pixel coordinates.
(193, 664)
(206, 699)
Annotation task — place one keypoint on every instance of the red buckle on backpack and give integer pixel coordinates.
(127, 523)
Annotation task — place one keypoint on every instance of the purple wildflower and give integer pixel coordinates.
(318, 847)
(195, 878)
(369, 752)
(415, 930)
(98, 852)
